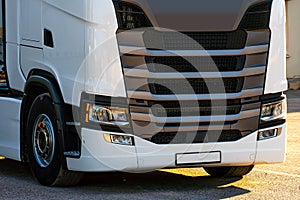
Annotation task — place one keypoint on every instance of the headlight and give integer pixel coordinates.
(273, 111)
(106, 115)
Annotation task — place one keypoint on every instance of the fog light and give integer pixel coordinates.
(2, 157)
(119, 139)
(266, 134)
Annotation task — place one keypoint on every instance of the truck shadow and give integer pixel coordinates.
(178, 186)
(152, 185)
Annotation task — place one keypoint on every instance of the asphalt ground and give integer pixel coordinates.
(277, 181)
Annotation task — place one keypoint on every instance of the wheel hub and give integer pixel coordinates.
(43, 140)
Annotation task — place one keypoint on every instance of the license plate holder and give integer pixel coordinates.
(196, 158)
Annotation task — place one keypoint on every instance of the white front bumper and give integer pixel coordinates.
(98, 155)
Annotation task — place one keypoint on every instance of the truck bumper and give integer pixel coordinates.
(97, 155)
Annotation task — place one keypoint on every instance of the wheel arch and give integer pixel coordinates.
(38, 82)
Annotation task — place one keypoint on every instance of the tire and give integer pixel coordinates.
(44, 153)
(236, 171)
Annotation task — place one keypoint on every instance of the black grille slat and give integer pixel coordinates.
(196, 111)
(195, 64)
(256, 21)
(257, 17)
(195, 40)
(196, 86)
(195, 108)
(261, 7)
(196, 137)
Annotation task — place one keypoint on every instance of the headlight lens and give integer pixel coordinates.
(106, 115)
(273, 111)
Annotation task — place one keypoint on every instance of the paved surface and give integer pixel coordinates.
(279, 181)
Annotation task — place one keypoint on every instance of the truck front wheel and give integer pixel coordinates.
(44, 152)
(234, 171)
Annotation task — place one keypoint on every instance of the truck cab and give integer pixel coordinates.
(138, 85)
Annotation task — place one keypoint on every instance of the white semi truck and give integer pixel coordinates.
(139, 85)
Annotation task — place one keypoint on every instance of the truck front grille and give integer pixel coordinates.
(196, 86)
(195, 64)
(192, 108)
(194, 40)
(196, 137)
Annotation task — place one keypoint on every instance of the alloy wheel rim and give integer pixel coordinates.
(43, 140)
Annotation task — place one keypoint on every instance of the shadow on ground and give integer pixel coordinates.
(153, 185)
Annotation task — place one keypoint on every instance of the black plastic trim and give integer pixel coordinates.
(30, 46)
(269, 98)
(105, 100)
(251, 10)
(46, 84)
(272, 123)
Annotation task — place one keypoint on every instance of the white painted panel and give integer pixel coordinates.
(10, 128)
(30, 58)
(15, 75)
(85, 54)
(68, 54)
(276, 71)
(31, 22)
(99, 155)
(272, 150)
(12, 21)
(104, 74)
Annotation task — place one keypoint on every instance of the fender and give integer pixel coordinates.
(49, 85)
(35, 85)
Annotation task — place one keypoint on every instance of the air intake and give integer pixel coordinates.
(257, 17)
(196, 86)
(196, 137)
(168, 40)
(171, 64)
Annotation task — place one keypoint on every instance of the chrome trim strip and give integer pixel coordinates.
(148, 96)
(142, 51)
(144, 73)
(192, 119)
(194, 128)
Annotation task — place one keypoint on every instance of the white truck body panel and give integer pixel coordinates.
(276, 72)
(86, 61)
(10, 128)
(99, 155)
